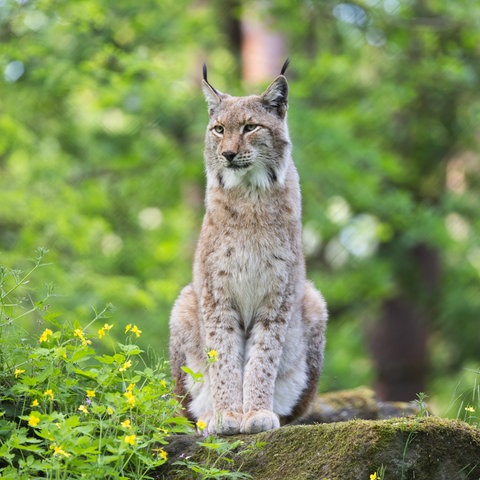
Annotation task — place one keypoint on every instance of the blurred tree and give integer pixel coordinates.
(98, 147)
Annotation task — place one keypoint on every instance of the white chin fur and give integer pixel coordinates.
(255, 176)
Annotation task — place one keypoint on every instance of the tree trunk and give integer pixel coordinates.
(398, 340)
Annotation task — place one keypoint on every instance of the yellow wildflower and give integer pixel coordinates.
(90, 393)
(125, 366)
(470, 409)
(18, 372)
(110, 411)
(134, 329)
(130, 387)
(49, 393)
(78, 332)
(163, 383)
(104, 330)
(161, 453)
(373, 476)
(83, 409)
(35, 403)
(47, 333)
(126, 423)
(201, 425)
(59, 451)
(34, 419)
(212, 356)
(130, 398)
(130, 439)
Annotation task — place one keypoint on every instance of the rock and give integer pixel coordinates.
(420, 448)
(359, 403)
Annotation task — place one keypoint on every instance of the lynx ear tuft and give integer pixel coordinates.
(284, 67)
(205, 72)
(275, 96)
(212, 95)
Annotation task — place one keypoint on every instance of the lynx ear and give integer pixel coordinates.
(213, 96)
(275, 96)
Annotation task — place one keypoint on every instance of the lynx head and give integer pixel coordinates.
(247, 142)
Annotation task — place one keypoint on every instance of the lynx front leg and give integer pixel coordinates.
(266, 345)
(224, 337)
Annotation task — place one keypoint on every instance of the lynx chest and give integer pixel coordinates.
(253, 254)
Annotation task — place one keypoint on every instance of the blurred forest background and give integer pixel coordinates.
(101, 140)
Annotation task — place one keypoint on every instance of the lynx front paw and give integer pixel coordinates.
(225, 423)
(259, 421)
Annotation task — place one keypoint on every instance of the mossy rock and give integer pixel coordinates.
(408, 448)
(358, 403)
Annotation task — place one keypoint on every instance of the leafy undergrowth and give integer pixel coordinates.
(70, 410)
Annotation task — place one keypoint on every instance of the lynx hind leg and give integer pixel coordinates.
(185, 347)
(314, 313)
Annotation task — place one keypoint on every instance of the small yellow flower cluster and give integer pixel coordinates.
(470, 409)
(126, 423)
(47, 333)
(102, 332)
(48, 393)
(125, 366)
(129, 395)
(201, 425)
(130, 439)
(83, 409)
(373, 476)
(18, 372)
(134, 329)
(59, 451)
(90, 393)
(160, 452)
(35, 403)
(78, 332)
(34, 419)
(212, 356)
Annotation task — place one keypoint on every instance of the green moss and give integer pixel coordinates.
(436, 449)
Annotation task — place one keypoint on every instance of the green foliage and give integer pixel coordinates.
(102, 123)
(219, 449)
(70, 410)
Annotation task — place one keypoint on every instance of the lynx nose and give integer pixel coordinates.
(229, 156)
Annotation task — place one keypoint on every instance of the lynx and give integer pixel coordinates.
(249, 321)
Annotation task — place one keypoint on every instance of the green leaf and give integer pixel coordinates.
(197, 377)
(86, 373)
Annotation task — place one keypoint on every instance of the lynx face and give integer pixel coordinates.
(247, 140)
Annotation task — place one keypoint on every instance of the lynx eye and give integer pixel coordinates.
(250, 127)
(218, 129)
